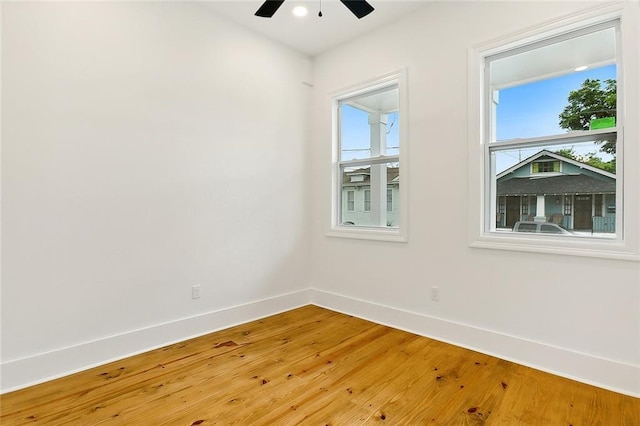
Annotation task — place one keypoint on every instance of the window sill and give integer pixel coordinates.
(363, 233)
(602, 248)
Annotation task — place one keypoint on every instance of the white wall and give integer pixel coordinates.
(146, 147)
(578, 317)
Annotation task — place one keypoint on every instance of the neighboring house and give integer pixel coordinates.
(357, 197)
(552, 188)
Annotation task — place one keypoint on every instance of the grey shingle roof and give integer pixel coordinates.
(556, 185)
(392, 173)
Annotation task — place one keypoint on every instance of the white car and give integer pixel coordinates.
(539, 228)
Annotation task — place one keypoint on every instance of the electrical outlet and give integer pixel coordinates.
(435, 294)
(195, 292)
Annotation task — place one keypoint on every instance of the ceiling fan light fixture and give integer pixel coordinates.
(300, 11)
(360, 8)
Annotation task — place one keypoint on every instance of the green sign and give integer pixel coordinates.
(602, 123)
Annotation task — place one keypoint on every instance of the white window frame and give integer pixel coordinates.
(391, 234)
(626, 244)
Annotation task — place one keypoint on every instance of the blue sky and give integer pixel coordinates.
(356, 133)
(532, 109)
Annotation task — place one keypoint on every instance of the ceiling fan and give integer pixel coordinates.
(360, 8)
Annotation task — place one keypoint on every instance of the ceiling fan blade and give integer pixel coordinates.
(360, 8)
(268, 8)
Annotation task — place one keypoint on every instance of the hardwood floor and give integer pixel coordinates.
(317, 367)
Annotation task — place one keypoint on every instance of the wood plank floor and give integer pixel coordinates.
(313, 366)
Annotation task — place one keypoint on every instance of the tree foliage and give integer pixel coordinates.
(590, 158)
(589, 102)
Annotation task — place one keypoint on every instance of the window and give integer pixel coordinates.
(545, 167)
(368, 160)
(540, 140)
(367, 200)
(351, 200)
(525, 205)
(550, 229)
(597, 205)
(528, 227)
(567, 205)
(550, 117)
(541, 113)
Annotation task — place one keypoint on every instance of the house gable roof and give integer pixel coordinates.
(546, 153)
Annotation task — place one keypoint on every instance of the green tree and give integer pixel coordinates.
(591, 101)
(593, 160)
(590, 158)
(567, 153)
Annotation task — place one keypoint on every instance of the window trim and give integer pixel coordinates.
(627, 246)
(397, 234)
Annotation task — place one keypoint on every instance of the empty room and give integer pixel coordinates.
(320, 212)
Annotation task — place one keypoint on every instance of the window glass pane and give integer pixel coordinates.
(355, 133)
(555, 88)
(563, 184)
(351, 200)
(528, 227)
(369, 125)
(393, 136)
(375, 189)
(367, 200)
(549, 229)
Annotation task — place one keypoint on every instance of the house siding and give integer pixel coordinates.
(522, 185)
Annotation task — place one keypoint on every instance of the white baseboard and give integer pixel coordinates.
(604, 373)
(608, 374)
(24, 372)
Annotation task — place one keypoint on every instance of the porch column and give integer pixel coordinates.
(540, 216)
(378, 123)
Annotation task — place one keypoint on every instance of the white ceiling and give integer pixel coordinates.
(311, 34)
